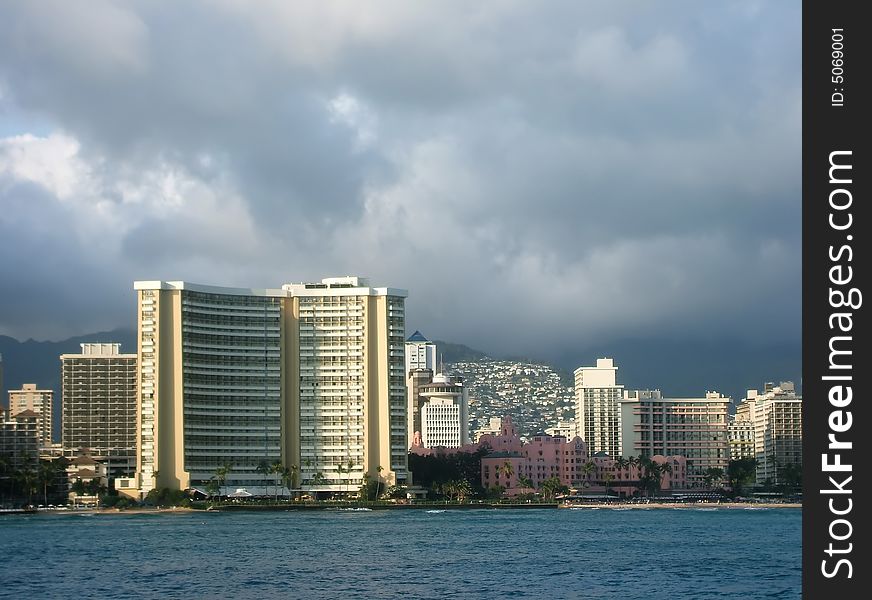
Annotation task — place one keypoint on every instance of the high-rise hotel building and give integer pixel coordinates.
(99, 405)
(310, 375)
(597, 407)
(776, 418)
(210, 383)
(347, 414)
(695, 428)
(31, 398)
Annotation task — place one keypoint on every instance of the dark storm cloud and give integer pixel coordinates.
(534, 175)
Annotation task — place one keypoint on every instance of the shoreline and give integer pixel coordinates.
(706, 506)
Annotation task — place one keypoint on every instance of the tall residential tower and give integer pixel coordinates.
(309, 376)
(99, 405)
(30, 398)
(347, 416)
(597, 407)
(695, 428)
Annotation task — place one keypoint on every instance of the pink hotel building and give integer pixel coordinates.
(546, 456)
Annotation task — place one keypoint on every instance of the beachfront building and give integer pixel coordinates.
(695, 428)
(88, 477)
(597, 406)
(776, 417)
(210, 384)
(20, 439)
(351, 400)
(98, 405)
(31, 398)
(521, 467)
(308, 376)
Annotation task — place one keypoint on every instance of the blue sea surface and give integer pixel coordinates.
(584, 554)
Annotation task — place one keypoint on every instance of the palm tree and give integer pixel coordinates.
(462, 489)
(213, 488)
(221, 474)
(649, 472)
(349, 466)
(45, 474)
(307, 467)
(507, 470)
(586, 470)
(711, 475)
(378, 480)
(295, 476)
(264, 469)
(276, 469)
(28, 478)
(525, 482)
(609, 478)
(288, 476)
(339, 469)
(622, 465)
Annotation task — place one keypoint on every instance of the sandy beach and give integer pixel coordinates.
(686, 505)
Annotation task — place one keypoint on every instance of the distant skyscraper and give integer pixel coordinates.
(776, 416)
(36, 400)
(420, 353)
(311, 375)
(597, 407)
(695, 428)
(444, 412)
(99, 405)
(420, 368)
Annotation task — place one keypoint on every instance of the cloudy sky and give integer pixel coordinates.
(535, 174)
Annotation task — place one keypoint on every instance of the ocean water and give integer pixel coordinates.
(584, 554)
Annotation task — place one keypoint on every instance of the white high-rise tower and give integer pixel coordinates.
(597, 407)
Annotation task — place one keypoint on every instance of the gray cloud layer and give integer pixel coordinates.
(533, 174)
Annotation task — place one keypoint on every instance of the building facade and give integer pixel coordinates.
(420, 353)
(99, 405)
(598, 406)
(494, 426)
(776, 417)
(30, 398)
(521, 467)
(564, 428)
(350, 406)
(740, 432)
(20, 439)
(310, 376)
(209, 386)
(695, 428)
(444, 412)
